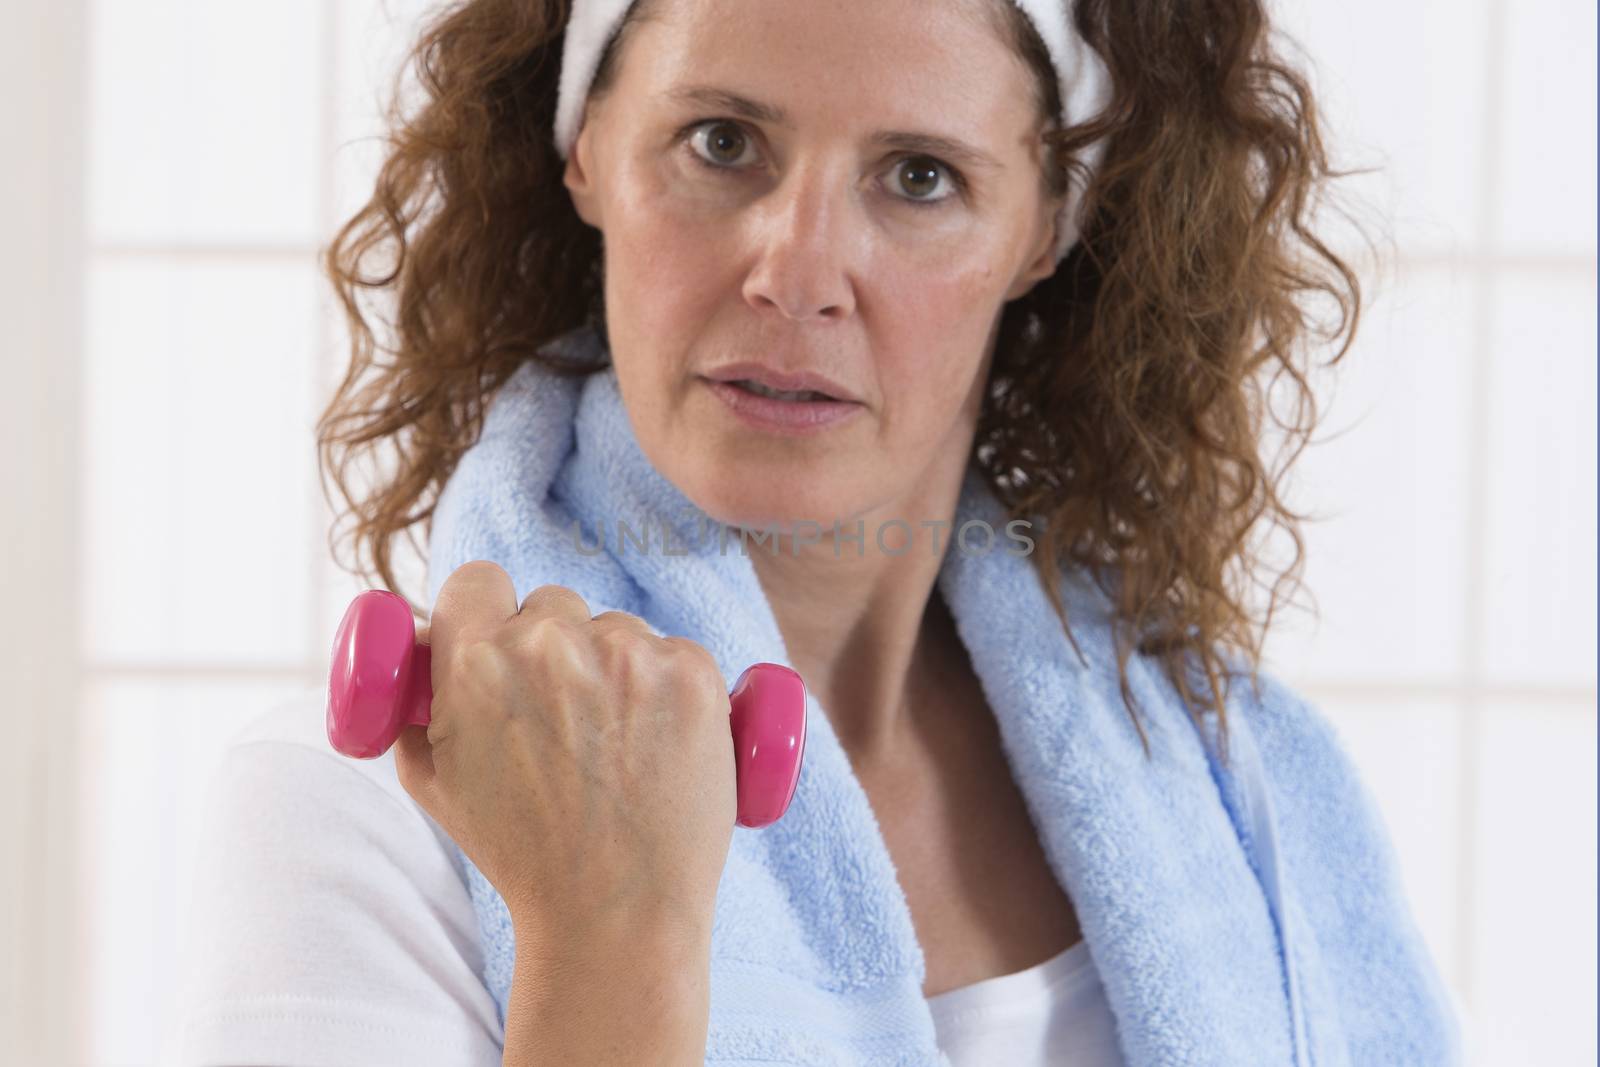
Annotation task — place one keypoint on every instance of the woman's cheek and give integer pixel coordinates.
(669, 215)
(666, 283)
(931, 390)
(692, 197)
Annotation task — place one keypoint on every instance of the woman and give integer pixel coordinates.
(1038, 823)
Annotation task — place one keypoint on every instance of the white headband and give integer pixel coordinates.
(1085, 83)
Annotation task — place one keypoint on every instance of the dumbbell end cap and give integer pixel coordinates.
(769, 733)
(369, 674)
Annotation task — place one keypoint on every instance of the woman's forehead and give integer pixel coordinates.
(897, 66)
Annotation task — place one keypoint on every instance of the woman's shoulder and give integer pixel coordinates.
(281, 764)
(328, 912)
(282, 791)
(288, 741)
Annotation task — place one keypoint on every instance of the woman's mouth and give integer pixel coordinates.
(779, 394)
(799, 411)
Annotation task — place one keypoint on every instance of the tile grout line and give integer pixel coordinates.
(70, 956)
(327, 134)
(1479, 419)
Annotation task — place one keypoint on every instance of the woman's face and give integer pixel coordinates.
(803, 242)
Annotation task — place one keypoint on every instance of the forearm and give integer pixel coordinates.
(630, 995)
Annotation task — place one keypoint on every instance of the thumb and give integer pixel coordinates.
(413, 764)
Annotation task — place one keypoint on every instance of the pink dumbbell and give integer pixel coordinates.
(382, 682)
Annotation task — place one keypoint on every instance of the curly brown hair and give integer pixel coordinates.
(1129, 390)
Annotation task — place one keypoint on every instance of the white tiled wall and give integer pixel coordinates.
(1455, 569)
(1533, 927)
(1538, 569)
(1404, 87)
(183, 352)
(1545, 133)
(205, 122)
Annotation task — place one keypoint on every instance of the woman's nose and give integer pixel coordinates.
(805, 233)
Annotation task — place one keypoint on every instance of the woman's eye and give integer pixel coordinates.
(724, 144)
(723, 141)
(928, 173)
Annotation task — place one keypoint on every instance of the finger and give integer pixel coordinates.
(477, 598)
(554, 602)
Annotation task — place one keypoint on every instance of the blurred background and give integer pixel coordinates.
(172, 169)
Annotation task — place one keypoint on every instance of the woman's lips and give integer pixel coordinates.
(782, 416)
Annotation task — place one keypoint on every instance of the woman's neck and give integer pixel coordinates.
(862, 626)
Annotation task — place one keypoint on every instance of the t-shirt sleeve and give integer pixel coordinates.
(331, 926)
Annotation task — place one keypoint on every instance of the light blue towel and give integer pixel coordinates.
(1241, 916)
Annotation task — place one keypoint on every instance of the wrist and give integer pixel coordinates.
(623, 989)
(543, 934)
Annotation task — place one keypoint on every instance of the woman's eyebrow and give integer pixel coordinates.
(907, 141)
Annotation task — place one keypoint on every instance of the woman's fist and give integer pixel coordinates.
(582, 763)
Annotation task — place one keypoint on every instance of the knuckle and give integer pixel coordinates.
(547, 634)
(470, 574)
(691, 652)
(619, 620)
(554, 595)
(549, 654)
(696, 669)
(472, 654)
(627, 650)
(477, 672)
(474, 566)
(461, 663)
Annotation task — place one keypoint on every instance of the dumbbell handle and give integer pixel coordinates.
(381, 681)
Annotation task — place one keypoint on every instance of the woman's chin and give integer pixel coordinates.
(767, 510)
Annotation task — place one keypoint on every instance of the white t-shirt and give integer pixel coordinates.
(331, 928)
(330, 925)
(1053, 1013)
